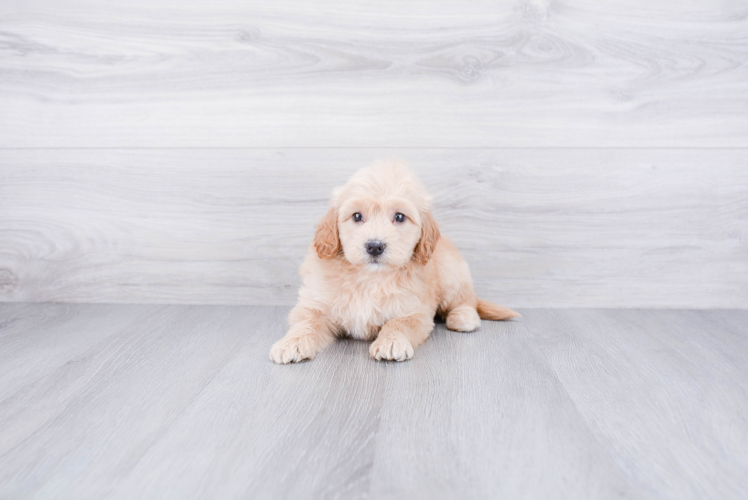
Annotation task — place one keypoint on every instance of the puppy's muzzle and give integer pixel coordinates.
(375, 248)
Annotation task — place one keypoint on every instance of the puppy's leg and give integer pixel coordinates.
(463, 318)
(398, 337)
(310, 331)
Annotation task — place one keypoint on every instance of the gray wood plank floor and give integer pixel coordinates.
(131, 401)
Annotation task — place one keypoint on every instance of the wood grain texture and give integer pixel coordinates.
(85, 73)
(183, 402)
(551, 228)
(659, 361)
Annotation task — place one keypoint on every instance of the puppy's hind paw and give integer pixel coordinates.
(293, 350)
(391, 348)
(463, 319)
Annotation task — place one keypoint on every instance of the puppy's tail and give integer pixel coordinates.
(488, 310)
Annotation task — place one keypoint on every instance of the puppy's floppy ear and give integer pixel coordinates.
(429, 236)
(326, 239)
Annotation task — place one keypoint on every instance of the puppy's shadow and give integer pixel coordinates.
(355, 348)
(348, 346)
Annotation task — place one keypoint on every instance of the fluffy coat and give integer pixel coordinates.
(390, 298)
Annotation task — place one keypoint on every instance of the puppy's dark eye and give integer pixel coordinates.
(399, 217)
(357, 217)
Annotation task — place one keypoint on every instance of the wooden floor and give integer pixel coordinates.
(131, 401)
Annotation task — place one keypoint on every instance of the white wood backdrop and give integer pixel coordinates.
(419, 73)
(581, 153)
(562, 227)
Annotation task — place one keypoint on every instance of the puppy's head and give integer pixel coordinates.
(381, 218)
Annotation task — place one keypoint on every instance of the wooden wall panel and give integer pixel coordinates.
(385, 73)
(549, 227)
(582, 152)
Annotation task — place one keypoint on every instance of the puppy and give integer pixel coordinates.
(378, 269)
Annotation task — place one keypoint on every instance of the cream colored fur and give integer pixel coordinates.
(391, 300)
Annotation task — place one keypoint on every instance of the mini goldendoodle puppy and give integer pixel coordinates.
(379, 270)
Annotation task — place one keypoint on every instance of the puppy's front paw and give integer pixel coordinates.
(395, 348)
(293, 349)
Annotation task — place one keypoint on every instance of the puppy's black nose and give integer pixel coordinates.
(374, 247)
